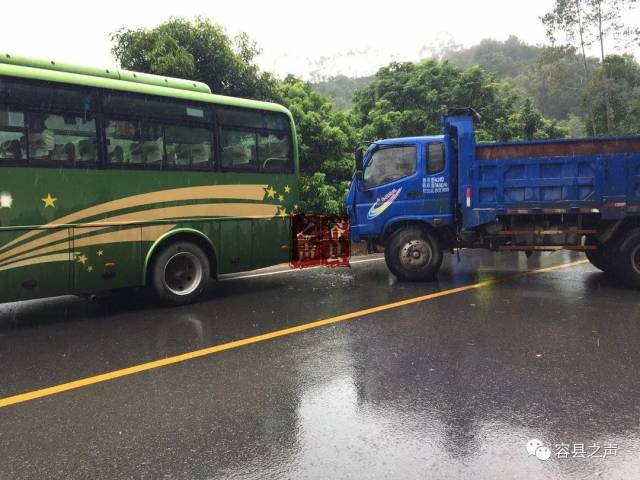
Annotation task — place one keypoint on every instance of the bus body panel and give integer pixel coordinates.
(104, 221)
(82, 225)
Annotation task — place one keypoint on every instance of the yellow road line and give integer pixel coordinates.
(64, 387)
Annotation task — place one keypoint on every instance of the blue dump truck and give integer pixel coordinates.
(422, 196)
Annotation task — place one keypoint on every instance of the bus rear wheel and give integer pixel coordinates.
(413, 254)
(180, 273)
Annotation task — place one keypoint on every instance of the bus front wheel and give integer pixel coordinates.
(180, 273)
(413, 254)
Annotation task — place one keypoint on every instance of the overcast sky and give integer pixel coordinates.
(355, 37)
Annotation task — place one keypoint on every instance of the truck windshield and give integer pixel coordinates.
(390, 164)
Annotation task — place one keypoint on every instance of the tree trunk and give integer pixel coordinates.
(605, 73)
(587, 76)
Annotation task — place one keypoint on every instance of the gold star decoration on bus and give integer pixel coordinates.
(82, 259)
(271, 193)
(280, 198)
(49, 201)
(89, 269)
(100, 253)
(282, 212)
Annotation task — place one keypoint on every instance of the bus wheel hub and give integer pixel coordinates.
(183, 273)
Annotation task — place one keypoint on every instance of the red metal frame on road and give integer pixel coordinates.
(320, 241)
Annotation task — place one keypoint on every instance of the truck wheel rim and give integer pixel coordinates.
(415, 255)
(635, 259)
(182, 273)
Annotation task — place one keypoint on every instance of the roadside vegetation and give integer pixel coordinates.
(522, 91)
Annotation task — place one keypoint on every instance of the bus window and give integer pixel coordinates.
(154, 107)
(134, 143)
(274, 152)
(12, 135)
(188, 147)
(46, 97)
(234, 117)
(238, 150)
(63, 138)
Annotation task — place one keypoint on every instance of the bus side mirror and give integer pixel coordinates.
(359, 159)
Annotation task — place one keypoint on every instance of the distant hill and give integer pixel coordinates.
(554, 78)
(340, 89)
(507, 59)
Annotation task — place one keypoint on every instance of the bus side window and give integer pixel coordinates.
(12, 136)
(48, 123)
(238, 149)
(435, 157)
(188, 147)
(135, 142)
(274, 151)
(61, 138)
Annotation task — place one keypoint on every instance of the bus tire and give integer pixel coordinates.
(413, 254)
(180, 273)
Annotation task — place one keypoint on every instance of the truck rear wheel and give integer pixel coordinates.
(179, 273)
(601, 257)
(413, 254)
(626, 258)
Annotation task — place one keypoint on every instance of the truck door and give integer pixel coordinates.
(436, 183)
(391, 186)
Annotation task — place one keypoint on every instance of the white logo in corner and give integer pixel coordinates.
(537, 448)
(6, 200)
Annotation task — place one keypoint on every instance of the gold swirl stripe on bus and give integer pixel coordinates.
(206, 210)
(144, 234)
(207, 192)
(244, 210)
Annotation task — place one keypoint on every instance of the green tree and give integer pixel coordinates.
(408, 99)
(557, 82)
(198, 50)
(593, 21)
(623, 74)
(327, 140)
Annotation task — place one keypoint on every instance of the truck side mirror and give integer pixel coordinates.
(359, 159)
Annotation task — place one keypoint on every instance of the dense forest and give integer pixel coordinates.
(522, 91)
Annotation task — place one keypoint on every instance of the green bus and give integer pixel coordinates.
(112, 179)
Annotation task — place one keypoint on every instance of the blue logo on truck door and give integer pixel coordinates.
(383, 203)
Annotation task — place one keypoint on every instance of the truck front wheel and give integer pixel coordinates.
(626, 257)
(413, 254)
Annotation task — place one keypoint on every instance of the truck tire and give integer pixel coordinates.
(600, 258)
(626, 258)
(596, 259)
(179, 273)
(413, 254)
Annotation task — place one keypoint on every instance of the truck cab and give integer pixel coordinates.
(400, 183)
(401, 180)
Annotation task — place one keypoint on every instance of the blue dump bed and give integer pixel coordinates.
(559, 176)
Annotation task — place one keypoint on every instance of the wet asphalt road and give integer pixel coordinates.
(452, 387)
